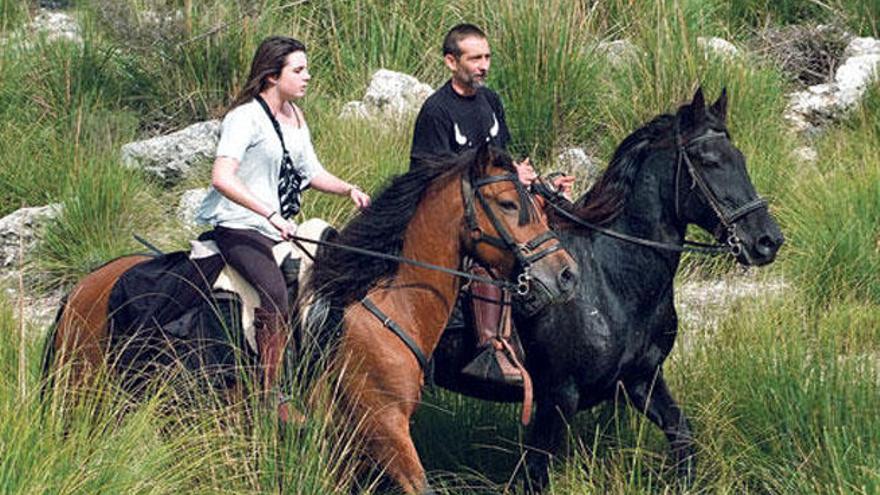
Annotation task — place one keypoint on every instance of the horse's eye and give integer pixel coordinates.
(508, 205)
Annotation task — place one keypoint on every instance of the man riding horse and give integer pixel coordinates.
(461, 115)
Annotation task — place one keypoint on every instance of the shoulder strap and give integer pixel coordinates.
(275, 123)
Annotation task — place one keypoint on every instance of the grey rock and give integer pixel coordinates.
(171, 157)
(810, 110)
(19, 232)
(390, 95)
(354, 110)
(188, 206)
(702, 305)
(858, 71)
(36, 310)
(575, 161)
(56, 26)
(619, 52)
(805, 155)
(717, 46)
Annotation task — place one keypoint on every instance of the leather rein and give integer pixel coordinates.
(526, 253)
(727, 219)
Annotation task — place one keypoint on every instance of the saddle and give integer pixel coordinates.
(190, 308)
(294, 259)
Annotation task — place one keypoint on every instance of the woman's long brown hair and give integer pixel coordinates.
(268, 61)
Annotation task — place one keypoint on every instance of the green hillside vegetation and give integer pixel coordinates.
(784, 394)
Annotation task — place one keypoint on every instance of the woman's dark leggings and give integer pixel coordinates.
(250, 253)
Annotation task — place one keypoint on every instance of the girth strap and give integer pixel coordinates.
(398, 330)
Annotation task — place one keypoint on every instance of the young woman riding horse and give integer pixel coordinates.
(392, 315)
(264, 160)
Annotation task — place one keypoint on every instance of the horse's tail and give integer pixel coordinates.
(48, 360)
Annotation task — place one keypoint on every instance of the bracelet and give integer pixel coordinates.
(354, 187)
(270, 215)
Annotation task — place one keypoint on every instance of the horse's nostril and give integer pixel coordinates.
(767, 245)
(567, 278)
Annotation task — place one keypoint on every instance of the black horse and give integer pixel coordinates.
(614, 336)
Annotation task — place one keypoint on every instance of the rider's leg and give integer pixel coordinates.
(250, 253)
(493, 327)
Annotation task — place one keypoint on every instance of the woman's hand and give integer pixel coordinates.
(360, 198)
(285, 227)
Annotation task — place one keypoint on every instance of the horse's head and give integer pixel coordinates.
(713, 188)
(505, 231)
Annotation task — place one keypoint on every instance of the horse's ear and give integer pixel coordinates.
(695, 112)
(698, 103)
(719, 108)
(483, 158)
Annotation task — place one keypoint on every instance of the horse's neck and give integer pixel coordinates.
(420, 299)
(649, 213)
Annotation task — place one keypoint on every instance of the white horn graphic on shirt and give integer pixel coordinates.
(459, 137)
(493, 131)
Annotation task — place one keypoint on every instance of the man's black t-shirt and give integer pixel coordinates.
(449, 124)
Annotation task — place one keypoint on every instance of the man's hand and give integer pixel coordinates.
(525, 172)
(563, 184)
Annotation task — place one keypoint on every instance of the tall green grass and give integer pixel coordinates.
(832, 212)
(862, 16)
(99, 440)
(13, 15)
(783, 396)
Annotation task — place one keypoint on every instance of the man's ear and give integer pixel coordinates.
(451, 61)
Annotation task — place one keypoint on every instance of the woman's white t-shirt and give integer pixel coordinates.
(247, 135)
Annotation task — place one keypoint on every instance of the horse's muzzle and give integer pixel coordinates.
(549, 284)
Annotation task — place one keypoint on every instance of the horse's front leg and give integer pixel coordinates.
(392, 448)
(653, 398)
(548, 432)
(383, 397)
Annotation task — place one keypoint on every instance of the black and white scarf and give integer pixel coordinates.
(289, 179)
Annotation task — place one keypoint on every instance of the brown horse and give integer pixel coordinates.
(474, 207)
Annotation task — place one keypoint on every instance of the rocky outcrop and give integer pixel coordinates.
(171, 157)
(56, 26)
(585, 168)
(390, 95)
(619, 52)
(19, 232)
(717, 47)
(810, 110)
(702, 305)
(188, 206)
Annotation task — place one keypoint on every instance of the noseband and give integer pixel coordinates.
(727, 219)
(526, 253)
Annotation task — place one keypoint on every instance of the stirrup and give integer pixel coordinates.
(493, 365)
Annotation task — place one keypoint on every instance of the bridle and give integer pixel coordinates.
(526, 253)
(726, 219)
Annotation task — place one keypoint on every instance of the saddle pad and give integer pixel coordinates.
(230, 280)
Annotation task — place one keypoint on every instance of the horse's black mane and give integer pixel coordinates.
(343, 276)
(606, 199)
